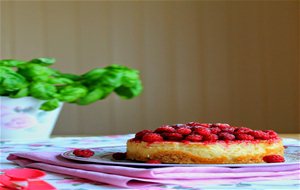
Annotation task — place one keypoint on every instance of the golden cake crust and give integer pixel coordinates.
(220, 152)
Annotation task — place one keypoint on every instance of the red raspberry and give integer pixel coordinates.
(220, 125)
(202, 131)
(259, 135)
(177, 126)
(205, 125)
(211, 137)
(226, 136)
(215, 130)
(226, 128)
(184, 131)
(273, 158)
(192, 124)
(165, 128)
(119, 155)
(140, 134)
(172, 136)
(152, 137)
(194, 138)
(272, 134)
(244, 137)
(83, 153)
(153, 162)
(242, 130)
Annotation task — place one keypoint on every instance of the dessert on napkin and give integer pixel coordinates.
(202, 143)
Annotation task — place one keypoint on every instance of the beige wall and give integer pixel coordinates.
(234, 62)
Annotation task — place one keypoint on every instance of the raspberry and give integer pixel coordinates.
(244, 137)
(184, 131)
(83, 153)
(211, 137)
(140, 134)
(177, 126)
(194, 138)
(220, 125)
(242, 130)
(215, 130)
(152, 137)
(192, 124)
(153, 162)
(272, 134)
(259, 135)
(202, 131)
(165, 128)
(226, 136)
(172, 136)
(205, 125)
(119, 155)
(226, 128)
(273, 158)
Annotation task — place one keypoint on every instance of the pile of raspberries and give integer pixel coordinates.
(203, 132)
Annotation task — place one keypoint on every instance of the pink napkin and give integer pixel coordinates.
(131, 177)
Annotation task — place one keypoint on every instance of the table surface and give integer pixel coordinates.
(64, 182)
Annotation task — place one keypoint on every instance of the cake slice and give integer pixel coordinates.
(201, 143)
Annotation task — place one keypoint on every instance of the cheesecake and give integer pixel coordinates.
(204, 143)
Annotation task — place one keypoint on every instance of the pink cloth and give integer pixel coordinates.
(131, 177)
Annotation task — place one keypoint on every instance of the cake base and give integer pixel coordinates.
(220, 152)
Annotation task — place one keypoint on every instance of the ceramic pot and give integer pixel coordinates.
(21, 119)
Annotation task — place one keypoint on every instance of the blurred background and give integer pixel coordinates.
(211, 61)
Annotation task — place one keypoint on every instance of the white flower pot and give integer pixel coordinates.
(21, 119)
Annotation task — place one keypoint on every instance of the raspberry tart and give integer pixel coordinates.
(202, 143)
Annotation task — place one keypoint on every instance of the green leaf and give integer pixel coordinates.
(50, 105)
(10, 80)
(72, 93)
(92, 75)
(11, 62)
(112, 79)
(69, 76)
(2, 91)
(43, 91)
(59, 81)
(43, 60)
(21, 93)
(31, 71)
(91, 97)
(129, 92)
(130, 78)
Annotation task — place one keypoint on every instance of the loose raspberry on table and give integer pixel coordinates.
(184, 131)
(172, 136)
(244, 137)
(211, 138)
(140, 134)
(83, 153)
(202, 131)
(119, 155)
(258, 134)
(153, 162)
(215, 130)
(152, 137)
(226, 136)
(242, 130)
(194, 138)
(165, 128)
(273, 158)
